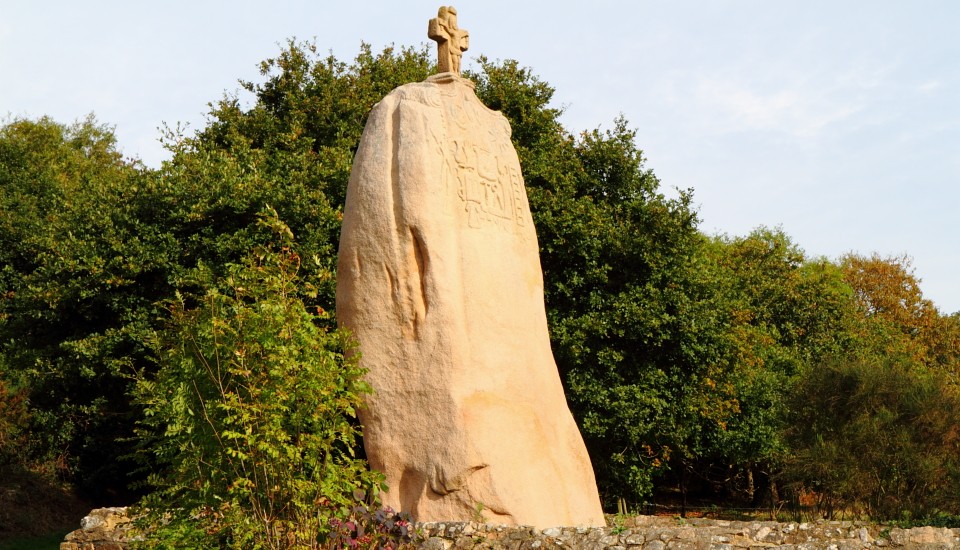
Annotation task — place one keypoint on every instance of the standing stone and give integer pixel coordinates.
(439, 280)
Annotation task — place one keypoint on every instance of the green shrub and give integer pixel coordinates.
(251, 415)
(13, 421)
(880, 434)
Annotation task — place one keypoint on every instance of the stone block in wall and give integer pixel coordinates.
(101, 529)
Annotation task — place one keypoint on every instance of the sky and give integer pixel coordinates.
(837, 121)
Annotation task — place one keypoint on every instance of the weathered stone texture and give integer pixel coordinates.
(439, 279)
(663, 533)
(101, 529)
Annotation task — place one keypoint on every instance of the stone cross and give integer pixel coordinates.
(452, 41)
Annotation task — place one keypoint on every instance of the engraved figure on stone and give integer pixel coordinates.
(452, 41)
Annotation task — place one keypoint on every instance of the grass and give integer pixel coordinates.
(46, 542)
(36, 511)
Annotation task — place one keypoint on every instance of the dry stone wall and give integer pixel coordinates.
(107, 529)
(101, 529)
(660, 533)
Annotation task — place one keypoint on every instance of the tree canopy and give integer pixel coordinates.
(694, 364)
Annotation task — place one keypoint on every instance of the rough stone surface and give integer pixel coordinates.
(639, 533)
(663, 533)
(101, 529)
(439, 280)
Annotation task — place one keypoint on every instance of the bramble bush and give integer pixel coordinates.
(370, 526)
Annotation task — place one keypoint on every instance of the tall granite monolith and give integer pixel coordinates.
(439, 280)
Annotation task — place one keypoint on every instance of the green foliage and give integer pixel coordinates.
(877, 432)
(686, 359)
(90, 243)
(76, 278)
(935, 519)
(292, 150)
(250, 417)
(624, 300)
(874, 414)
(779, 312)
(14, 424)
(305, 126)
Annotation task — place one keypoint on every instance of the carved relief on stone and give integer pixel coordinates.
(481, 165)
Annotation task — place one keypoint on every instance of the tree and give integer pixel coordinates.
(93, 242)
(627, 312)
(874, 424)
(782, 314)
(302, 132)
(305, 127)
(75, 302)
(879, 432)
(292, 150)
(889, 298)
(678, 352)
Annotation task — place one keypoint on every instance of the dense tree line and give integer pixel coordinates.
(733, 367)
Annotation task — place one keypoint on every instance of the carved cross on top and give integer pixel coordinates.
(452, 41)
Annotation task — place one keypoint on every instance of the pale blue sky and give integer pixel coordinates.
(839, 121)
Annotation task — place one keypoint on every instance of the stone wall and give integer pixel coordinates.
(102, 529)
(663, 533)
(106, 529)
